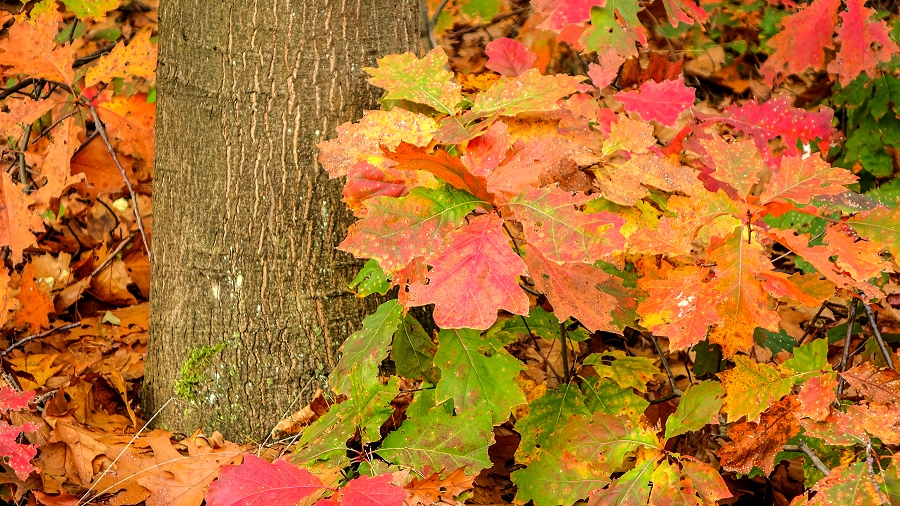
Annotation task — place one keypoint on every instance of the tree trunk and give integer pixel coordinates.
(245, 220)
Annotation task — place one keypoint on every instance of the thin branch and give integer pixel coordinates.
(869, 461)
(32, 337)
(802, 447)
(137, 214)
(843, 366)
(812, 324)
(17, 87)
(537, 348)
(665, 363)
(880, 340)
(115, 252)
(84, 60)
(23, 168)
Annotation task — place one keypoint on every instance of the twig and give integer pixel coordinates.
(537, 348)
(23, 168)
(84, 60)
(812, 324)
(675, 391)
(869, 461)
(809, 453)
(843, 365)
(10, 380)
(663, 399)
(137, 214)
(16, 87)
(32, 337)
(115, 252)
(880, 340)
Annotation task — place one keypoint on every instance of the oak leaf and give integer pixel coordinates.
(397, 230)
(663, 101)
(130, 124)
(16, 454)
(258, 481)
(755, 444)
(434, 490)
(56, 166)
(849, 483)
(880, 225)
(681, 306)
(628, 372)
(34, 305)
(865, 43)
(562, 233)
(484, 153)
(529, 92)
(424, 81)
(137, 59)
(442, 165)
(561, 13)
(736, 163)
(802, 41)
(879, 385)
(17, 222)
(800, 178)
(817, 395)
(625, 183)
(508, 57)
(605, 72)
(372, 490)
(615, 26)
(476, 275)
(30, 49)
(751, 387)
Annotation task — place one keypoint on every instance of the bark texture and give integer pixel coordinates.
(245, 221)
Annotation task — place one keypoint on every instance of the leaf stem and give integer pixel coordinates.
(565, 351)
(675, 391)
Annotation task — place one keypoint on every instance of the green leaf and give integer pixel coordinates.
(90, 8)
(439, 441)
(424, 81)
(413, 351)
(751, 387)
(708, 358)
(366, 409)
(628, 372)
(632, 488)
(539, 322)
(555, 478)
(545, 414)
(371, 279)
(485, 9)
(697, 407)
(529, 92)
(475, 381)
(367, 347)
(774, 341)
(606, 32)
(603, 395)
(811, 357)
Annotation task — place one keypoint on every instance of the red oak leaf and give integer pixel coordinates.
(681, 307)
(561, 232)
(365, 180)
(372, 491)
(561, 13)
(508, 57)
(259, 482)
(684, 11)
(445, 167)
(583, 291)
(603, 74)
(484, 153)
(802, 41)
(19, 455)
(776, 118)
(663, 101)
(865, 43)
(801, 178)
(737, 163)
(476, 276)
(816, 396)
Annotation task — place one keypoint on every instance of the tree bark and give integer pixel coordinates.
(245, 220)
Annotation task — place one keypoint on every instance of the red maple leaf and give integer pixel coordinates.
(561, 13)
(508, 57)
(10, 399)
(660, 101)
(476, 276)
(484, 153)
(603, 74)
(259, 482)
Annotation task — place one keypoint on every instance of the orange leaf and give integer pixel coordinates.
(755, 444)
(137, 59)
(34, 305)
(16, 220)
(129, 123)
(56, 165)
(445, 167)
(31, 50)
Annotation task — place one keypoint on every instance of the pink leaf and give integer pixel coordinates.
(372, 491)
(801, 43)
(604, 73)
(484, 153)
(561, 13)
(776, 118)
(660, 101)
(801, 178)
(10, 399)
(19, 455)
(476, 276)
(365, 181)
(508, 57)
(864, 43)
(258, 482)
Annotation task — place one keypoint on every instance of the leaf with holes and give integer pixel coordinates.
(755, 444)
(802, 41)
(865, 43)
